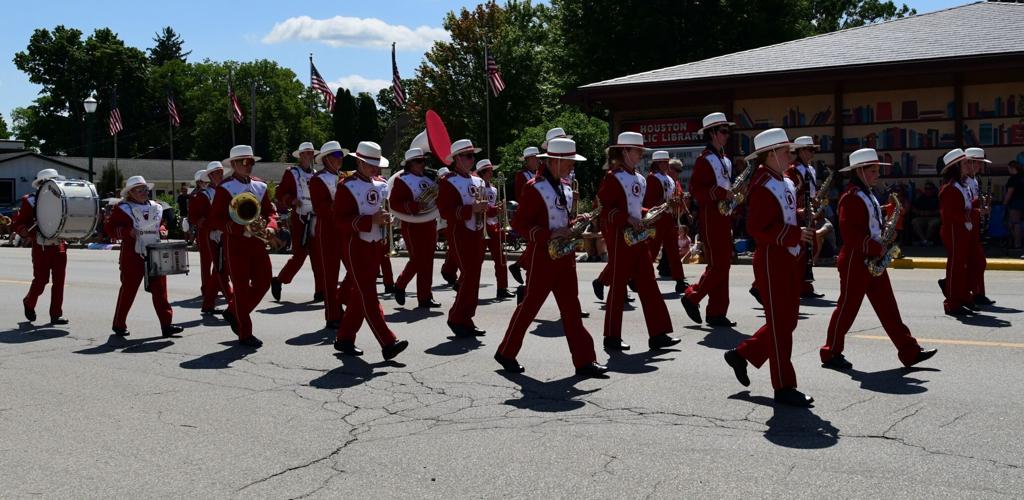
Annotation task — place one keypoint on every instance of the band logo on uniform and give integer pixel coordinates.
(790, 201)
(474, 190)
(635, 189)
(424, 185)
(372, 197)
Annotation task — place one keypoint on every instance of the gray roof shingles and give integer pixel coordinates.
(977, 29)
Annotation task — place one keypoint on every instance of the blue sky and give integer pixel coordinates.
(350, 39)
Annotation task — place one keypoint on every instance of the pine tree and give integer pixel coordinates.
(167, 47)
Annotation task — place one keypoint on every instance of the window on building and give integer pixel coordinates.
(6, 191)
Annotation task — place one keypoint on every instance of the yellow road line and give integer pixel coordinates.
(16, 282)
(978, 343)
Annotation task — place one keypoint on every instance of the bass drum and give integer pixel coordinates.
(67, 210)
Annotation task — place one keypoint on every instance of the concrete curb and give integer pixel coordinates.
(940, 263)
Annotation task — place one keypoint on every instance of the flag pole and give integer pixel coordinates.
(252, 119)
(231, 110)
(487, 97)
(170, 131)
(312, 100)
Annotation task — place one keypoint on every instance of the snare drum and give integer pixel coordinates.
(67, 210)
(164, 259)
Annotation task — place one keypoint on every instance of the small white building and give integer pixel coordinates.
(18, 168)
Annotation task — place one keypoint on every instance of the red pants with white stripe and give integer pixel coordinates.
(132, 269)
(213, 281)
(558, 277)
(299, 254)
(714, 283)
(362, 260)
(327, 250)
(778, 276)
(386, 272)
(666, 239)
(250, 270)
(468, 249)
(976, 265)
(47, 261)
(958, 243)
(855, 282)
(420, 241)
(627, 263)
(451, 263)
(497, 255)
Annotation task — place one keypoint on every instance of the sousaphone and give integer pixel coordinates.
(433, 140)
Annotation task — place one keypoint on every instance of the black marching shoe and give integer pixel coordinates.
(982, 300)
(30, 314)
(399, 296)
(629, 298)
(959, 311)
(318, 297)
(275, 288)
(332, 324)
(584, 314)
(516, 272)
(681, 286)
(971, 307)
(739, 366)
(632, 286)
(811, 295)
(598, 289)
(838, 362)
(692, 310)
(720, 321)
(121, 332)
(211, 312)
(520, 294)
(229, 316)
(389, 289)
(793, 397)
(58, 320)
(662, 341)
(593, 370)
(347, 347)
(169, 330)
(503, 293)
(395, 349)
(942, 285)
(428, 304)
(923, 355)
(615, 344)
(450, 278)
(509, 364)
(251, 341)
(756, 294)
(466, 331)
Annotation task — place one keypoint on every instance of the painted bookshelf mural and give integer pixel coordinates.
(994, 120)
(807, 115)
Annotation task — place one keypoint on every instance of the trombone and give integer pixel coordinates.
(502, 202)
(389, 231)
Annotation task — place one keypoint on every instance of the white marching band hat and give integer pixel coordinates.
(45, 175)
(240, 152)
(461, 146)
(134, 182)
(528, 152)
(555, 133)
(369, 152)
(304, 148)
(976, 154)
(484, 164)
(769, 140)
(562, 148)
(714, 120)
(864, 157)
(328, 148)
(802, 142)
(200, 175)
(629, 140)
(412, 154)
(213, 165)
(660, 156)
(953, 157)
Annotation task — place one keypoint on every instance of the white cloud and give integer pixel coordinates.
(341, 31)
(358, 83)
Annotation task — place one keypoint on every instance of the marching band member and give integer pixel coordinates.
(661, 188)
(538, 167)
(323, 189)
(485, 171)
(138, 222)
(621, 194)
(861, 224)
(245, 254)
(976, 163)
(358, 215)
(544, 214)
(530, 165)
(211, 267)
(462, 204)
(450, 265)
(710, 183)
(49, 257)
(805, 178)
(957, 208)
(293, 193)
(386, 271)
(772, 222)
(420, 237)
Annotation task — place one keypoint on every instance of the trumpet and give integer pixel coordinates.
(647, 230)
(244, 209)
(503, 219)
(739, 192)
(481, 217)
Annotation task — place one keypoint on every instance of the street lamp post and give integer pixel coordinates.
(90, 108)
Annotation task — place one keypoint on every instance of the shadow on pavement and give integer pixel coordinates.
(549, 328)
(983, 320)
(723, 338)
(323, 336)
(221, 359)
(792, 427)
(403, 315)
(549, 397)
(455, 346)
(27, 332)
(893, 381)
(289, 307)
(641, 362)
(116, 343)
(353, 371)
(192, 303)
(1001, 310)
(816, 302)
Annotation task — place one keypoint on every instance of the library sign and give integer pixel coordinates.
(669, 132)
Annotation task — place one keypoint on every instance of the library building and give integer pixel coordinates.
(912, 88)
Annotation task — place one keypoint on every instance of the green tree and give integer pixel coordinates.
(4, 133)
(832, 15)
(167, 46)
(111, 180)
(367, 121)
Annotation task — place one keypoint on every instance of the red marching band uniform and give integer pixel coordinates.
(977, 261)
(959, 212)
(523, 176)
(660, 189)
(49, 257)
(214, 278)
(420, 237)
(138, 225)
(861, 225)
(806, 182)
(245, 256)
(494, 236)
(293, 192)
(323, 188)
(386, 272)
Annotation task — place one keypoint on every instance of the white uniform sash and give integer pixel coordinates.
(468, 188)
(492, 201)
(785, 193)
(634, 186)
(302, 189)
(368, 195)
(722, 168)
(146, 220)
(874, 214)
(558, 215)
(966, 191)
(809, 176)
(416, 183)
(668, 184)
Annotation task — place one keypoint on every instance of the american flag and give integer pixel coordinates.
(172, 111)
(396, 81)
(116, 125)
(317, 83)
(493, 75)
(236, 107)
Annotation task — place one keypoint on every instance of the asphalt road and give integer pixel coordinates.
(84, 414)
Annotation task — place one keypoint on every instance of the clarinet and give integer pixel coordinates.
(809, 215)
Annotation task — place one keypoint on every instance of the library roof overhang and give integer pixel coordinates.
(978, 41)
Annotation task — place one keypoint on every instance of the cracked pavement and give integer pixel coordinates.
(84, 414)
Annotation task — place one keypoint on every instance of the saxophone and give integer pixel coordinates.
(560, 247)
(821, 197)
(739, 192)
(244, 210)
(647, 230)
(877, 265)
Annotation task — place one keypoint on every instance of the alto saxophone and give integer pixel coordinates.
(877, 265)
(646, 230)
(821, 197)
(560, 247)
(428, 198)
(739, 192)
